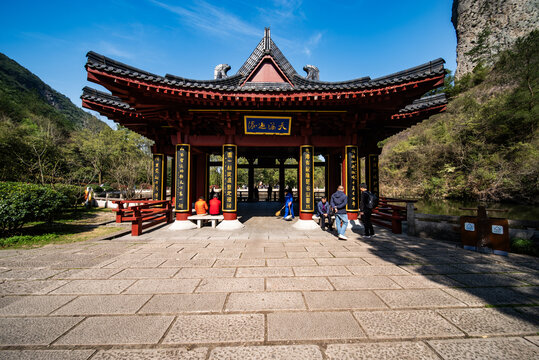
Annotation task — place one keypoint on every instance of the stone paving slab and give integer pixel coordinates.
(393, 350)
(87, 274)
(419, 298)
(489, 296)
(343, 300)
(321, 270)
(265, 301)
(34, 330)
(163, 286)
(117, 330)
(313, 326)
(45, 354)
(424, 281)
(405, 324)
(103, 305)
(298, 283)
(193, 329)
(486, 280)
(231, 284)
(494, 348)
(158, 273)
(363, 283)
(341, 261)
(377, 270)
(156, 354)
(28, 274)
(184, 303)
(29, 287)
(497, 321)
(274, 271)
(278, 352)
(85, 287)
(200, 272)
(33, 305)
(291, 262)
(533, 339)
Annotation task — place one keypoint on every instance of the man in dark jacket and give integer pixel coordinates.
(366, 211)
(338, 203)
(324, 213)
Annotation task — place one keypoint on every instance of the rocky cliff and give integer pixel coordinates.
(484, 27)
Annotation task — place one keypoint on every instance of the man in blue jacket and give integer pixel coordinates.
(338, 203)
(324, 212)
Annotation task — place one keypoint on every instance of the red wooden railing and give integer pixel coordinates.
(389, 215)
(144, 214)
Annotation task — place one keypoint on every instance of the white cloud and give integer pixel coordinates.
(207, 17)
(113, 50)
(312, 43)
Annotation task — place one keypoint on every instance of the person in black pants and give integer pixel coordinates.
(324, 211)
(366, 211)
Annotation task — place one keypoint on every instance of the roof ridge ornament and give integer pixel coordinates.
(267, 40)
(312, 72)
(220, 71)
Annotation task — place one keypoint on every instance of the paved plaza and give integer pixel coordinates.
(266, 292)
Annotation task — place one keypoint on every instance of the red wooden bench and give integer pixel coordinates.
(144, 214)
(389, 215)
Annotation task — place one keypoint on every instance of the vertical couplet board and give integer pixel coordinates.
(306, 171)
(352, 178)
(183, 170)
(372, 165)
(230, 176)
(158, 177)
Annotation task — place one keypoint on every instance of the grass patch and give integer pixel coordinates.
(73, 226)
(60, 236)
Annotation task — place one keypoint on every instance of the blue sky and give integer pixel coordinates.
(345, 39)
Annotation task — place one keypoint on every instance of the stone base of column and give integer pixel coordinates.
(182, 225)
(306, 225)
(305, 216)
(228, 225)
(230, 216)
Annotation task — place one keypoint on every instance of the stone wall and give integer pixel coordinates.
(500, 22)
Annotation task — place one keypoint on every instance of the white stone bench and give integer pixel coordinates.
(200, 219)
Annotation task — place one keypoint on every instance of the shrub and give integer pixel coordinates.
(74, 194)
(524, 246)
(21, 203)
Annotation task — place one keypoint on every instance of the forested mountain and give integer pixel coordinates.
(22, 92)
(485, 146)
(45, 138)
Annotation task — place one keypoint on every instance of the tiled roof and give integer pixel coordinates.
(425, 103)
(103, 98)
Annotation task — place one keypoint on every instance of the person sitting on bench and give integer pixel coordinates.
(215, 205)
(325, 213)
(201, 207)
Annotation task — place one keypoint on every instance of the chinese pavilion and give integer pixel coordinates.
(265, 111)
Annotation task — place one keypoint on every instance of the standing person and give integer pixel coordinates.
(200, 206)
(366, 205)
(215, 205)
(338, 204)
(289, 205)
(270, 190)
(212, 193)
(324, 211)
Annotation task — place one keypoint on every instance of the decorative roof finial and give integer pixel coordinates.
(267, 40)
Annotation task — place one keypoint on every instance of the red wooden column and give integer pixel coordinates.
(230, 182)
(200, 168)
(351, 180)
(182, 191)
(305, 182)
